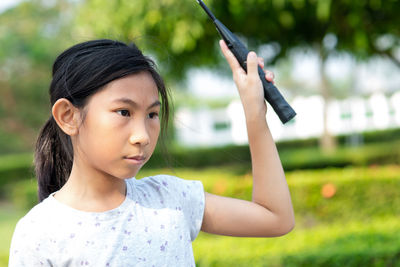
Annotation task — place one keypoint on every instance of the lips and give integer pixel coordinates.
(137, 160)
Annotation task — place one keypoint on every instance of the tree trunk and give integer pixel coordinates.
(327, 142)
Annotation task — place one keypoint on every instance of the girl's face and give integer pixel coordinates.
(121, 126)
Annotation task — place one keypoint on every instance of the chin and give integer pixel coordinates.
(128, 174)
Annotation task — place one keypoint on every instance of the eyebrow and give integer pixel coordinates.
(134, 104)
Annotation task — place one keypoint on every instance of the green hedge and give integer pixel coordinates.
(23, 194)
(299, 154)
(15, 168)
(369, 137)
(357, 226)
(380, 147)
(19, 167)
(364, 192)
(292, 158)
(361, 192)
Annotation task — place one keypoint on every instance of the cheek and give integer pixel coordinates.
(99, 136)
(154, 130)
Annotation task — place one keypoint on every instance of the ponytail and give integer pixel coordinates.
(53, 159)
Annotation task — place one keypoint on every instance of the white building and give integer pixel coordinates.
(206, 127)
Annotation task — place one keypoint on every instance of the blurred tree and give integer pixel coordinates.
(180, 34)
(31, 35)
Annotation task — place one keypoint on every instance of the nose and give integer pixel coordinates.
(140, 134)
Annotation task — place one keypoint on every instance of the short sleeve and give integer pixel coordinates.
(190, 194)
(27, 244)
(194, 203)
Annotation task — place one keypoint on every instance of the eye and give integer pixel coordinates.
(153, 115)
(124, 112)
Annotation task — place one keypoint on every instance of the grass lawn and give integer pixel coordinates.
(8, 219)
(360, 221)
(354, 237)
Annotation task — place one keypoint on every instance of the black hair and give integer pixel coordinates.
(78, 73)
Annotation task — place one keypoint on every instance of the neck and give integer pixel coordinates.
(91, 190)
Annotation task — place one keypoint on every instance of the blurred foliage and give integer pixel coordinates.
(8, 219)
(355, 186)
(361, 193)
(181, 35)
(350, 243)
(31, 35)
(357, 225)
(14, 168)
(178, 34)
(380, 148)
(23, 194)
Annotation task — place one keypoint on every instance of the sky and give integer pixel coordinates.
(4, 4)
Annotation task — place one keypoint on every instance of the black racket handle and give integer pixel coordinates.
(281, 107)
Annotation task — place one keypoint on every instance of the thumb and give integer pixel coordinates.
(252, 64)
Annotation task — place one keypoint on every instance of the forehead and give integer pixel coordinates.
(140, 88)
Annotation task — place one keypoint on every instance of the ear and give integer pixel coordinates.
(67, 116)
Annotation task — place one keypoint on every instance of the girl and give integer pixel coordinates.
(108, 106)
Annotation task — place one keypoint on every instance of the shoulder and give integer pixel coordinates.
(165, 187)
(34, 224)
(36, 216)
(168, 183)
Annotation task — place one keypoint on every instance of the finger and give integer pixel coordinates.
(269, 75)
(252, 64)
(232, 61)
(261, 62)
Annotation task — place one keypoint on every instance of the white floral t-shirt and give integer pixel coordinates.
(154, 226)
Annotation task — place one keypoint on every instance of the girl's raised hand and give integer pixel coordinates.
(249, 84)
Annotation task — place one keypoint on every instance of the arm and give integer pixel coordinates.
(270, 213)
